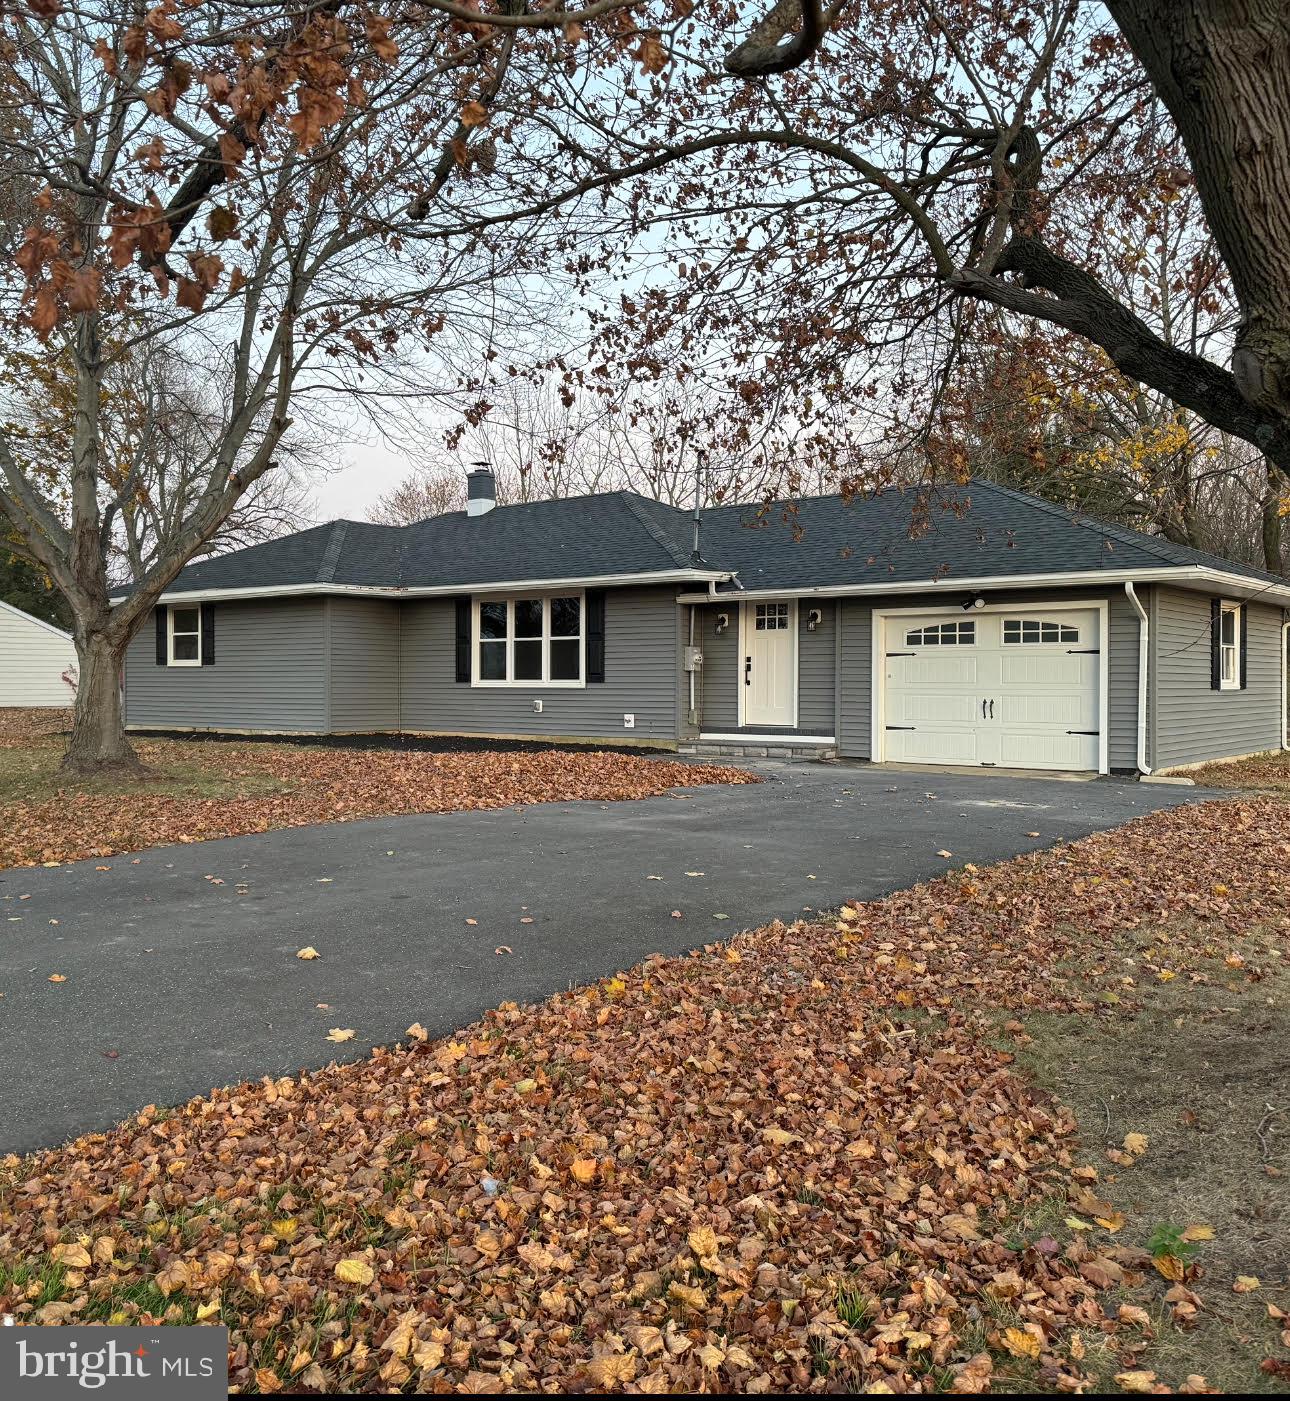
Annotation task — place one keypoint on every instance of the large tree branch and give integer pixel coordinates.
(763, 52)
(1221, 69)
(1080, 303)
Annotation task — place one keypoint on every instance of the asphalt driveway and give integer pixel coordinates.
(180, 963)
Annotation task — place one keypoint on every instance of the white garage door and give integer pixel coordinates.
(1017, 690)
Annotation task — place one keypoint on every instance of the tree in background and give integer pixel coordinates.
(266, 196)
(823, 218)
(161, 423)
(28, 589)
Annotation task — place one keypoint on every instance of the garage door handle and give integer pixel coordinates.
(991, 710)
(1083, 732)
(982, 710)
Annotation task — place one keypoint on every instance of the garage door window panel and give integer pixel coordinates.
(1032, 632)
(958, 634)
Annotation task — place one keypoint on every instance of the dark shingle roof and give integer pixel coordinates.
(896, 536)
(908, 536)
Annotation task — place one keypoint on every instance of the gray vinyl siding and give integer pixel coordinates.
(1125, 631)
(364, 671)
(1190, 722)
(642, 655)
(270, 673)
(723, 674)
(855, 678)
(856, 664)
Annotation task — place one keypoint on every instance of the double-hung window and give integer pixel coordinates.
(184, 639)
(1229, 647)
(536, 641)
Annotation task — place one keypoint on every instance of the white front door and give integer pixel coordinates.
(1017, 689)
(769, 680)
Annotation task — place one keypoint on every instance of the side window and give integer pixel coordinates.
(185, 643)
(1229, 647)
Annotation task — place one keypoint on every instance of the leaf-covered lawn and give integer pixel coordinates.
(802, 1161)
(1266, 772)
(200, 790)
(25, 722)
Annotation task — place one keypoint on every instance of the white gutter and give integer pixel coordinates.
(1285, 686)
(1144, 638)
(1233, 585)
(676, 576)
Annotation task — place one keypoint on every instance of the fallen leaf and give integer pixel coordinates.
(1020, 1343)
(354, 1270)
(308, 952)
(1136, 1381)
(338, 1033)
(703, 1241)
(73, 1255)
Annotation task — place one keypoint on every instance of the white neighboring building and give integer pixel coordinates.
(34, 655)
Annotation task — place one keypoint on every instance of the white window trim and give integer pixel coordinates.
(171, 659)
(1232, 607)
(544, 684)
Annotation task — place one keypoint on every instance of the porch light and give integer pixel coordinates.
(723, 622)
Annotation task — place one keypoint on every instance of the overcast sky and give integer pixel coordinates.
(371, 470)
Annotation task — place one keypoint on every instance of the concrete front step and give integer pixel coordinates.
(731, 749)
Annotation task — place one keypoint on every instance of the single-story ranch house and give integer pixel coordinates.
(1000, 630)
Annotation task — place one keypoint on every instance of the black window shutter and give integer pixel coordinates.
(595, 640)
(208, 634)
(162, 654)
(1216, 644)
(463, 639)
(1245, 641)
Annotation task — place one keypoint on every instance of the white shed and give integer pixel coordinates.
(34, 656)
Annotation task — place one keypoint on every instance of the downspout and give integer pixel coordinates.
(693, 715)
(1285, 685)
(1144, 637)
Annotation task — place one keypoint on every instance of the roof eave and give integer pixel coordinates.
(212, 595)
(1196, 577)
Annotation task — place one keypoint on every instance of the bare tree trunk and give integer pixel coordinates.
(98, 744)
